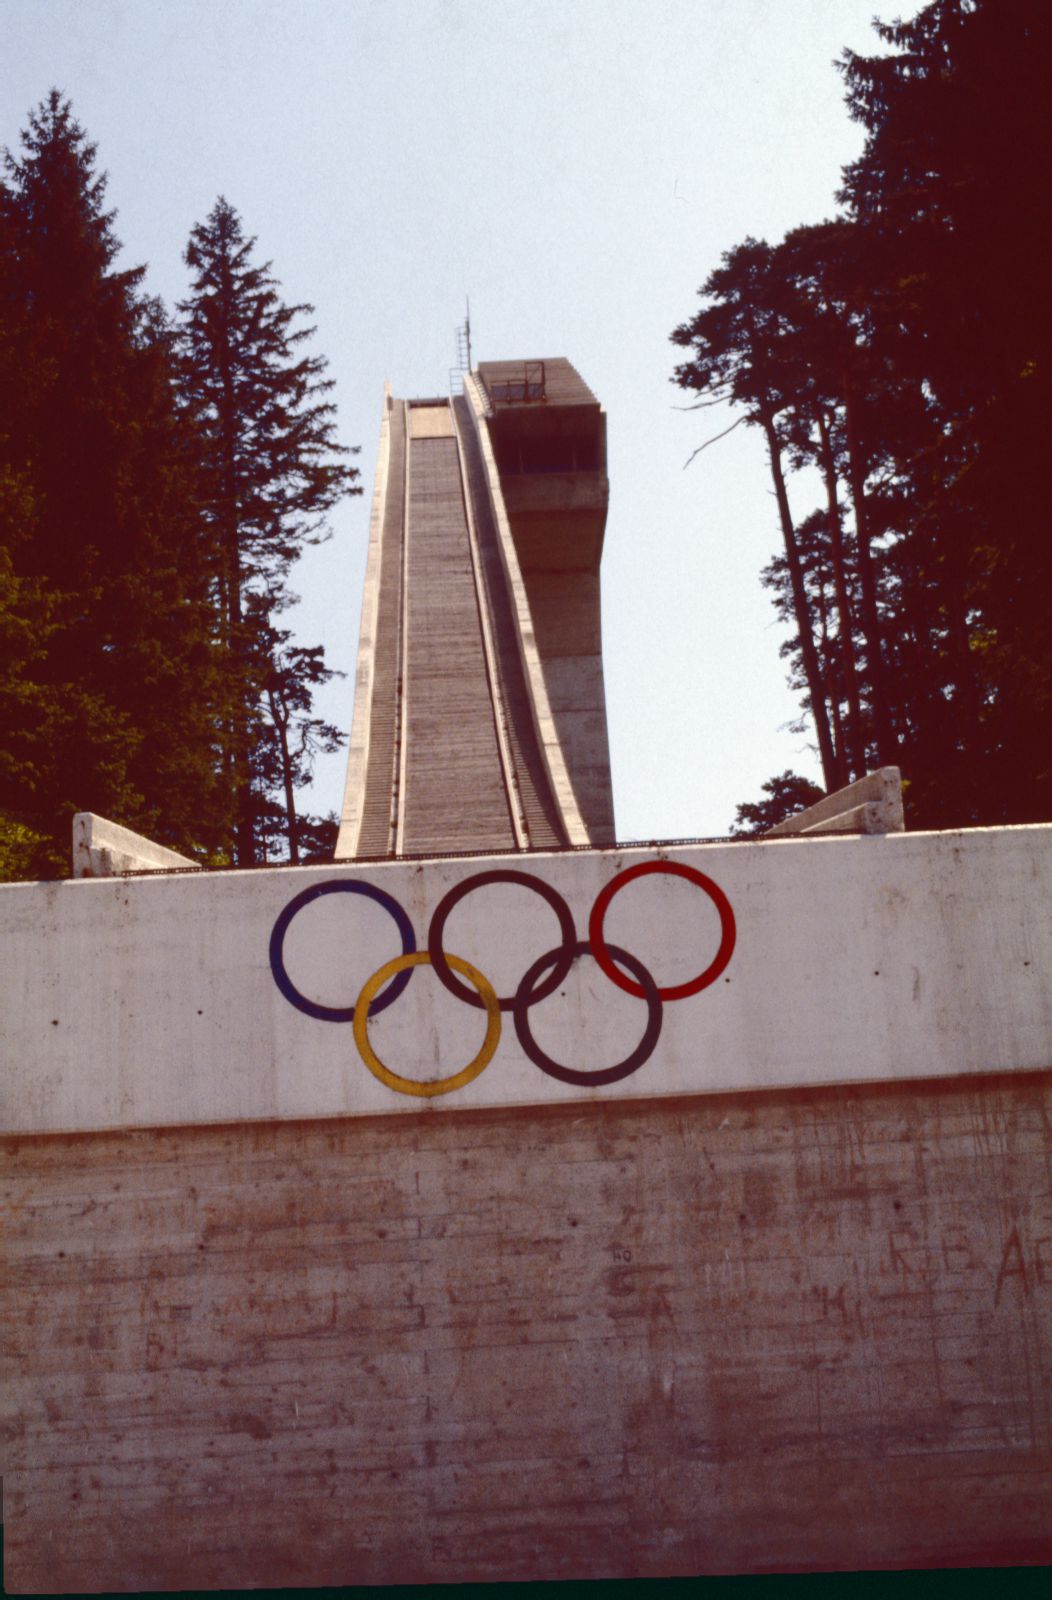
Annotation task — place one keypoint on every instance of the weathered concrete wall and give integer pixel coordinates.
(376, 652)
(555, 521)
(564, 608)
(613, 1322)
(766, 1332)
(225, 997)
(367, 824)
(101, 849)
(545, 724)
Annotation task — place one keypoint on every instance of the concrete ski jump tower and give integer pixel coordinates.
(480, 718)
(498, 1202)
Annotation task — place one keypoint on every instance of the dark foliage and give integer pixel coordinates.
(903, 350)
(786, 794)
(106, 682)
(273, 469)
(155, 487)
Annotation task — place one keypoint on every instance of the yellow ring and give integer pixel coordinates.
(420, 958)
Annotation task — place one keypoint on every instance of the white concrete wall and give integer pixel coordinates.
(101, 849)
(143, 1001)
(365, 673)
(545, 723)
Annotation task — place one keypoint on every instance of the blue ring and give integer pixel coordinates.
(281, 927)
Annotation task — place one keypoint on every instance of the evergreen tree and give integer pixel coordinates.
(105, 658)
(274, 469)
(785, 795)
(289, 737)
(904, 351)
(738, 344)
(956, 232)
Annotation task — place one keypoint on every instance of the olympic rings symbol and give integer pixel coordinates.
(539, 981)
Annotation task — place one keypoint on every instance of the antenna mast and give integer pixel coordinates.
(462, 336)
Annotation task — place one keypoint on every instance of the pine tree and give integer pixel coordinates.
(741, 351)
(904, 350)
(105, 659)
(956, 127)
(289, 737)
(274, 469)
(785, 795)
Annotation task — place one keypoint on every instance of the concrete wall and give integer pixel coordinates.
(367, 824)
(557, 520)
(259, 1331)
(556, 759)
(778, 1331)
(224, 997)
(539, 824)
(565, 611)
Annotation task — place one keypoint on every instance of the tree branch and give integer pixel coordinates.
(702, 405)
(714, 440)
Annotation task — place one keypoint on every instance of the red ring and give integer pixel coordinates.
(678, 991)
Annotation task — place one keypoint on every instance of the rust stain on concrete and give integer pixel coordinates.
(788, 1331)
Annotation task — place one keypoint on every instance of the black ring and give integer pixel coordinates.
(281, 927)
(524, 999)
(564, 956)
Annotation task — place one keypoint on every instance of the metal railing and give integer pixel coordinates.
(531, 386)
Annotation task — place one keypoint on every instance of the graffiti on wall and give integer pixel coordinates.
(470, 986)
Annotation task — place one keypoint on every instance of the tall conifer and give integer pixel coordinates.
(274, 469)
(105, 660)
(913, 365)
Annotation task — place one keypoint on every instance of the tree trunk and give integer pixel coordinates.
(812, 670)
(887, 746)
(241, 754)
(961, 651)
(855, 744)
(832, 698)
(281, 727)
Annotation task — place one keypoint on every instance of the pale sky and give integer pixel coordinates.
(576, 167)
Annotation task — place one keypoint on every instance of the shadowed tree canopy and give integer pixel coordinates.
(783, 797)
(273, 470)
(156, 485)
(106, 682)
(902, 350)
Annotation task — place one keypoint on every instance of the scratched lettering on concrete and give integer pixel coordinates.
(518, 1331)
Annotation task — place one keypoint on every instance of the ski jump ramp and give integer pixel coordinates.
(480, 715)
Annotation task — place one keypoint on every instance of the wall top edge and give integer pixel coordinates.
(843, 841)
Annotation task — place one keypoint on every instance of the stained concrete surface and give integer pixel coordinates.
(737, 1334)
